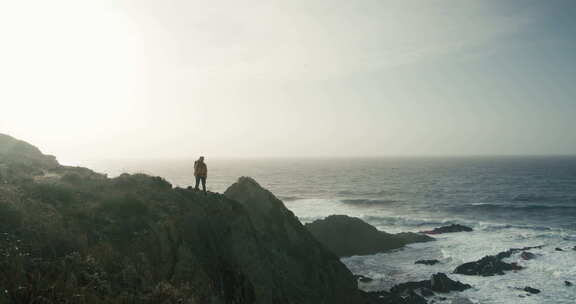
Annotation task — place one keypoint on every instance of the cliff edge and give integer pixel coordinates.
(71, 235)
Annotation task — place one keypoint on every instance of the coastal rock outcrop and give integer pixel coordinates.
(492, 264)
(417, 292)
(347, 236)
(68, 232)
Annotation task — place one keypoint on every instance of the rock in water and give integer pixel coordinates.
(531, 290)
(427, 262)
(568, 283)
(449, 229)
(439, 282)
(487, 266)
(347, 236)
(492, 264)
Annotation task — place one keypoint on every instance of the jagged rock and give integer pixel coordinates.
(441, 283)
(492, 264)
(487, 266)
(531, 290)
(427, 262)
(347, 236)
(449, 229)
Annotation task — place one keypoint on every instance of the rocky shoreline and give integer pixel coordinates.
(71, 235)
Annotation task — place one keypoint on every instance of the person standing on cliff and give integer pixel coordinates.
(201, 173)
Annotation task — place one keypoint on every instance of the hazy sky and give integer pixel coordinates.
(86, 79)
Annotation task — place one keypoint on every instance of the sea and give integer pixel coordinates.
(510, 202)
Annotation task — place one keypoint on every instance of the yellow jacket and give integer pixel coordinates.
(200, 169)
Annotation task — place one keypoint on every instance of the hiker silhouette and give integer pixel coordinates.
(200, 173)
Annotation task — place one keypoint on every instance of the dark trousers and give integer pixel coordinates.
(201, 179)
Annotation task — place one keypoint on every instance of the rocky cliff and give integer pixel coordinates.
(70, 235)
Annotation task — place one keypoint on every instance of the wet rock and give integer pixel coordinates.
(440, 282)
(487, 266)
(427, 262)
(568, 283)
(492, 264)
(531, 290)
(559, 249)
(449, 229)
(347, 236)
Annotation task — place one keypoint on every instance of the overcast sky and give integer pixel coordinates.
(88, 79)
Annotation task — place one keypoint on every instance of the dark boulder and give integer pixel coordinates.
(558, 249)
(440, 282)
(427, 262)
(487, 266)
(449, 229)
(347, 236)
(568, 283)
(531, 290)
